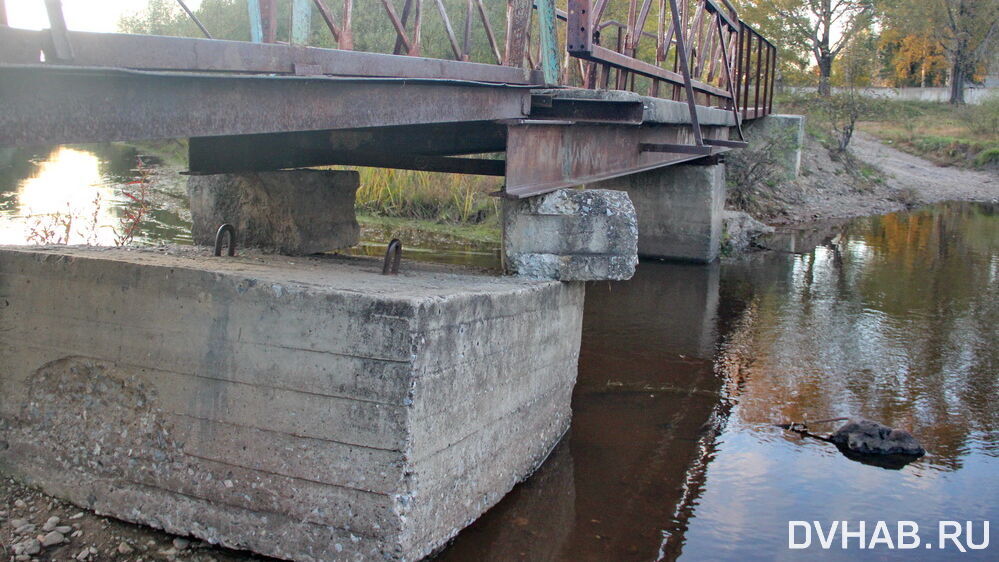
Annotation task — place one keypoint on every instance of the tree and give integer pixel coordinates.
(968, 31)
(822, 28)
(912, 58)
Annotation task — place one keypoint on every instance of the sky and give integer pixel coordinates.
(81, 15)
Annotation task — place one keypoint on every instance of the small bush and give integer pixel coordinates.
(755, 173)
(841, 112)
(987, 157)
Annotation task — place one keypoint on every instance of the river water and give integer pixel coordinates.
(684, 370)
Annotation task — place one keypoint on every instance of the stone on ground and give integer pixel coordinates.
(740, 231)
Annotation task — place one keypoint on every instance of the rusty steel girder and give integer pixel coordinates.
(543, 156)
(55, 105)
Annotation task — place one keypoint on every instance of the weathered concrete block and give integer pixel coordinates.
(785, 133)
(679, 210)
(313, 410)
(293, 212)
(571, 235)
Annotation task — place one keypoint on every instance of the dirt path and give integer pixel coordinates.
(833, 189)
(930, 182)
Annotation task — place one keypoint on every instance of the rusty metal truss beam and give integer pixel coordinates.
(545, 156)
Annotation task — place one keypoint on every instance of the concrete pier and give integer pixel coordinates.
(679, 210)
(303, 408)
(292, 212)
(571, 235)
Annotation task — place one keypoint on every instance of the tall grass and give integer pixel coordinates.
(444, 198)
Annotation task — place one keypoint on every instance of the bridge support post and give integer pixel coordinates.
(571, 235)
(293, 212)
(679, 210)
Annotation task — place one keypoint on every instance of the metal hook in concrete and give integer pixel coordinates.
(232, 239)
(393, 255)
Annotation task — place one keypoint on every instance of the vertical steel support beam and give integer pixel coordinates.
(549, 41)
(746, 75)
(685, 69)
(417, 37)
(579, 23)
(61, 48)
(301, 21)
(256, 25)
(766, 84)
(347, 37)
(466, 40)
(759, 72)
(518, 19)
(269, 15)
(773, 79)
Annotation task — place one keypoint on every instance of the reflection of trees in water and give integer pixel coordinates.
(896, 321)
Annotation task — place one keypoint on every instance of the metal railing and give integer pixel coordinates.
(677, 49)
(697, 51)
(700, 43)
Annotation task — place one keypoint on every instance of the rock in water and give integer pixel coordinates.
(872, 438)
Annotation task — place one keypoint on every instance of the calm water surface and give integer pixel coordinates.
(683, 370)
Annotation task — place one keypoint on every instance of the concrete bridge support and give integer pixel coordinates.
(571, 235)
(784, 132)
(309, 410)
(292, 212)
(679, 210)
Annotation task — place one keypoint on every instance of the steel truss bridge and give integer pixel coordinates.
(569, 96)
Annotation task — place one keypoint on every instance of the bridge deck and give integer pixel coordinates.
(252, 106)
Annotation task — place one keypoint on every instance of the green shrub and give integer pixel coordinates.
(987, 157)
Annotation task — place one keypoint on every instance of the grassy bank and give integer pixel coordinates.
(447, 199)
(966, 136)
(430, 233)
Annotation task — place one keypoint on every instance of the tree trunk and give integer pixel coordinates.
(957, 78)
(825, 71)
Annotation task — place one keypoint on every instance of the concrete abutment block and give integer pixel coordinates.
(571, 235)
(786, 136)
(679, 210)
(310, 411)
(292, 212)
